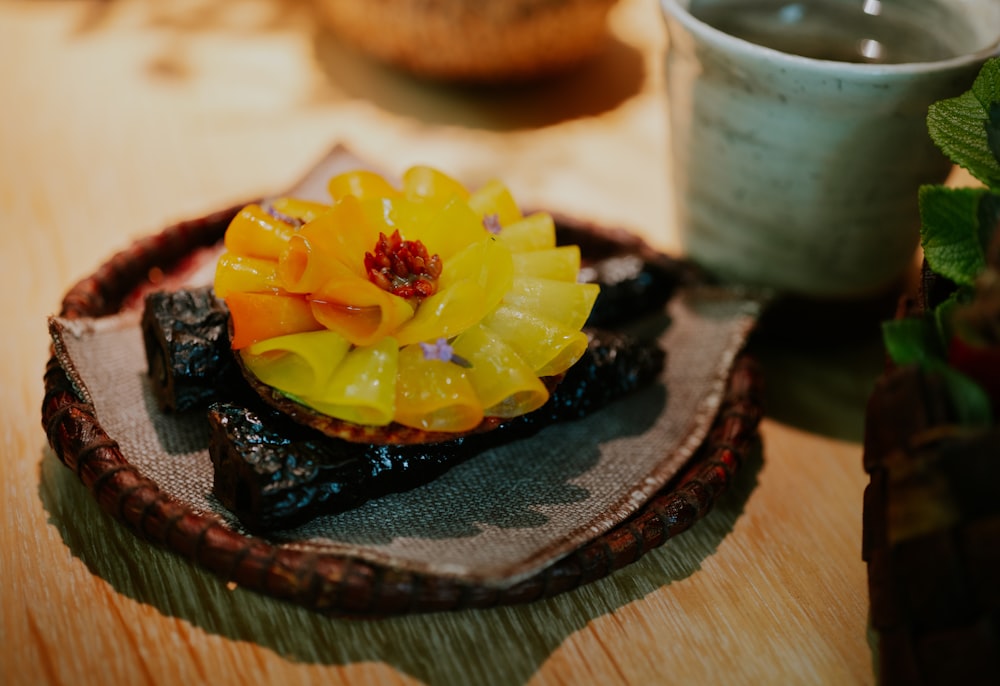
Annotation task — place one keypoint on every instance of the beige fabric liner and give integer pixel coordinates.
(494, 519)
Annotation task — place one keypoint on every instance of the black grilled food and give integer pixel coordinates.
(274, 473)
(187, 347)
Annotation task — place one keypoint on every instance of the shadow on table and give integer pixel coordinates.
(820, 366)
(821, 391)
(599, 85)
(498, 646)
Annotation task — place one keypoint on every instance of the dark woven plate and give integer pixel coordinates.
(339, 584)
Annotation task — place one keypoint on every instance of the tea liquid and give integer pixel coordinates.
(866, 31)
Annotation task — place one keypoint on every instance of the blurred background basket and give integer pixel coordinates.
(472, 40)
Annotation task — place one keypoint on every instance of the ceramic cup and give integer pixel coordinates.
(800, 173)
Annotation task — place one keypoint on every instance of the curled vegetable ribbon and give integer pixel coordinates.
(338, 305)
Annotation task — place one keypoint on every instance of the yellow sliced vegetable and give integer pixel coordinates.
(397, 214)
(449, 229)
(534, 232)
(471, 285)
(359, 310)
(434, 395)
(363, 387)
(546, 346)
(344, 234)
(299, 364)
(360, 183)
(235, 273)
(504, 383)
(494, 198)
(308, 262)
(562, 263)
(259, 316)
(306, 210)
(486, 262)
(255, 233)
(445, 314)
(568, 304)
(427, 183)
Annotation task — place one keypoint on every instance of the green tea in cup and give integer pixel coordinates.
(865, 31)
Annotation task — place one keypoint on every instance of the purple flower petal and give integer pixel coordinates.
(438, 350)
(491, 222)
(441, 350)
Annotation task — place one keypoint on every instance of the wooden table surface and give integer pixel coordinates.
(121, 116)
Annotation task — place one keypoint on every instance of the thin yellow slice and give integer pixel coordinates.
(566, 303)
(297, 364)
(359, 310)
(238, 273)
(494, 198)
(363, 387)
(546, 346)
(361, 184)
(427, 183)
(306, 210)
(534, 232)
(472, 283)
(255, 233)
(449, 229)
(562, 263)
(504, 383)
(434, 395)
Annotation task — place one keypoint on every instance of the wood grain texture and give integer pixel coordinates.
(125, 116)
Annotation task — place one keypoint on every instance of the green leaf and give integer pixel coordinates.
(911, 340)
(950, 233)
(943, 316)
(958, 225)
(970, 401)
(964, 127)
(987, 83)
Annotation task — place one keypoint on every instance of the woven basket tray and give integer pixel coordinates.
(342, 584)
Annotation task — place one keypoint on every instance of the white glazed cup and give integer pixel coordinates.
(801, 174)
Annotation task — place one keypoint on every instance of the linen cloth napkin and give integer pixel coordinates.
(494, 519)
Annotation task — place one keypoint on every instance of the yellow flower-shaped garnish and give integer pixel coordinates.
(428, 305)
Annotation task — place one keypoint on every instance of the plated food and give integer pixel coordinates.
(530, 516)
(391, 334)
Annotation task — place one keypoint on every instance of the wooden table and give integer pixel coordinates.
(121, 117)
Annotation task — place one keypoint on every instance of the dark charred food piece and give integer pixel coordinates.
(274, 473)
(630, 288)
(187, 347)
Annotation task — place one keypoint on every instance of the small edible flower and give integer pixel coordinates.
(491, 223)
(442, 350)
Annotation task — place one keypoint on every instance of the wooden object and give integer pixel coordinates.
(125, 117)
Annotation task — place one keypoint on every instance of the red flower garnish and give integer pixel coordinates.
(403, 268)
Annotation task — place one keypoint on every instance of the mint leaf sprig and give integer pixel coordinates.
(957, 228)
(967, 128)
